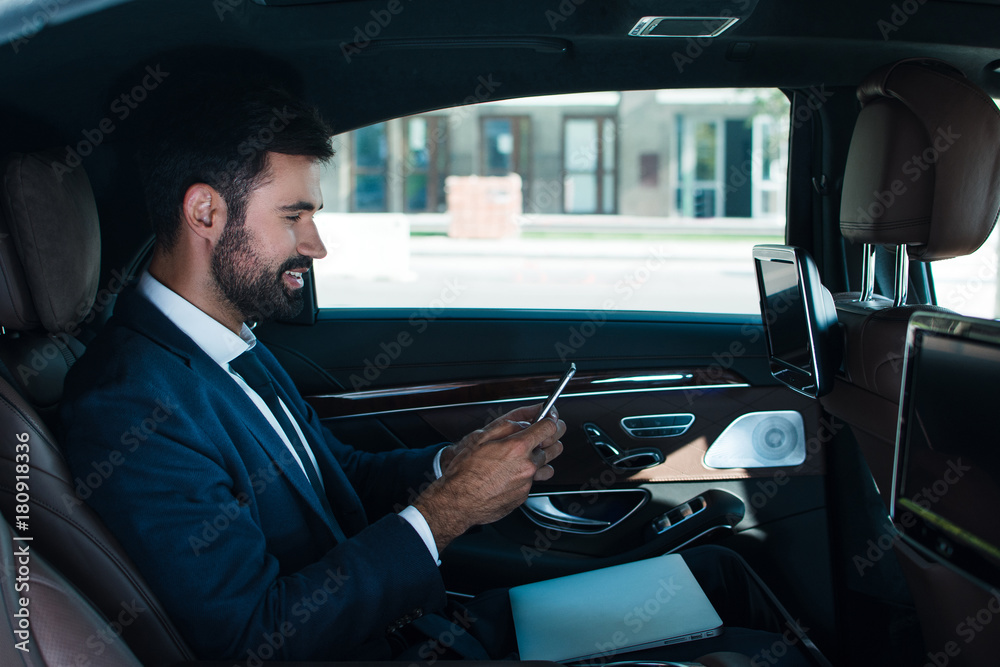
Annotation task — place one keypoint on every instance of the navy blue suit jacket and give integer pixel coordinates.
(190, 477)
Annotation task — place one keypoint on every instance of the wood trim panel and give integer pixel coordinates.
(417, 397)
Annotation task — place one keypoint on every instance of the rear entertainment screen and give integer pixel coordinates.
(799, 318)
(948, 458)
(788, 328)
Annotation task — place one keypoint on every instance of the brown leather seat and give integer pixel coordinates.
(923, 175)
(58, 626)
(49, 264)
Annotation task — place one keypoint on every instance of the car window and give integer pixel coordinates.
(635, 200)
(968, 285)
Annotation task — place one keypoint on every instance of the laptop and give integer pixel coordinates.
(640, 605)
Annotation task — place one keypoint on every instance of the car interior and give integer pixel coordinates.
(774, 433)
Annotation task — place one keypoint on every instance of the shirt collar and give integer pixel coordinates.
(213, 337)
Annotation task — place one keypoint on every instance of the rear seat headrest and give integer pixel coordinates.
(50, 244)
(924, 163)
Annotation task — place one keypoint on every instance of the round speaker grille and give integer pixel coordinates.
(774, 438)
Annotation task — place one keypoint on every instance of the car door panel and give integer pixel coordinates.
(459, 373)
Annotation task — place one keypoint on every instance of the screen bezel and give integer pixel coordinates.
(820, 323)
(923, 532)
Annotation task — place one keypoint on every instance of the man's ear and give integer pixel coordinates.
(204, 212)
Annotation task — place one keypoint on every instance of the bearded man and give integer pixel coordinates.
(251, 522)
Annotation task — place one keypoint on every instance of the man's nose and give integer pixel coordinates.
(311, 245)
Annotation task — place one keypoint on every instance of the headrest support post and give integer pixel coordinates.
(868, 272)
(902, 276)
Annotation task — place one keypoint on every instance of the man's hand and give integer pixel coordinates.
(489, 472)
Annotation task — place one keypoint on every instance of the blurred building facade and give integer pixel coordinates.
(658, 153)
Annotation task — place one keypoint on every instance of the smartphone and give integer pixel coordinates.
(551, 400)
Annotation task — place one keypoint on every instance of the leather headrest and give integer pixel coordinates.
(50, 243)
(924, 163)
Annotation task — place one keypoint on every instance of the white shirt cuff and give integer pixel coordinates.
(419, 523)
(437, 463)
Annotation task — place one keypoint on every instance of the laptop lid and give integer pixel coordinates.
(648, 603)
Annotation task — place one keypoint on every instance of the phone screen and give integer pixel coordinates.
(551, 400)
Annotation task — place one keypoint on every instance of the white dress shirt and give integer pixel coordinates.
(223, 345)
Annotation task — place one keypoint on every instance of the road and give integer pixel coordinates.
(574, 274)
(669, 274)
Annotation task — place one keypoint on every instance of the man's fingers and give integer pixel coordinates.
(499, 429)
(544, 473)
(531, 437)
(525, 414)
(552, 450)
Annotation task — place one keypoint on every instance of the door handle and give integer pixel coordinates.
(544, 510)
(622, 460)
(638, 459)
(584, 512)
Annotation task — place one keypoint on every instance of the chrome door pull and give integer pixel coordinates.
(544, 509)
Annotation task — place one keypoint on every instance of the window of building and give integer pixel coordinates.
(699, 183)
(425, 164)
(505, 147)
(589, 164)
(371, 153)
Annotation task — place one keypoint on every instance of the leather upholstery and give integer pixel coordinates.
(64, 627)
(875, 338)
(75, 540)
(923, 167)
(49, 269)
(951, 610)
(923, 171)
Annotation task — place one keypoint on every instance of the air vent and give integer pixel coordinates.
(682, 26)
(657, 426)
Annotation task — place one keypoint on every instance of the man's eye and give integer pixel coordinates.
(293, 218)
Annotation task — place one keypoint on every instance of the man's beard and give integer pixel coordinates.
(255, 290)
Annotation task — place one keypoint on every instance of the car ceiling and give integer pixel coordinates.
(59, 80)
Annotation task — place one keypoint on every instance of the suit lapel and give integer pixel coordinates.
(142, 316)
(339, 490)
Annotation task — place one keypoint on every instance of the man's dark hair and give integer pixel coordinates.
(220, 136)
